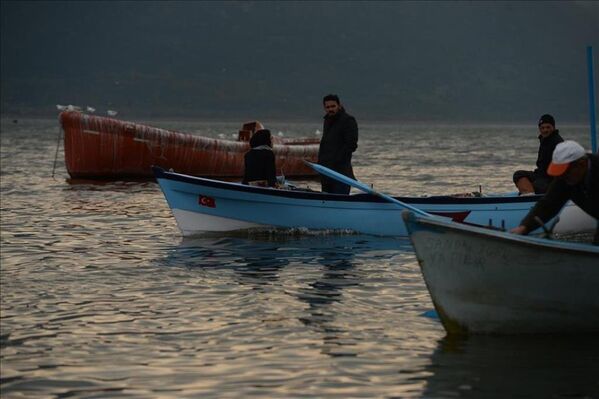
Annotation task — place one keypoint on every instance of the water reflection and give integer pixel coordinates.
(316, 270)
(520, 366)
(338, 273)
(259, 265)
(257, 251)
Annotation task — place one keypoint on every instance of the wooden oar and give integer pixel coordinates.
(364, 187)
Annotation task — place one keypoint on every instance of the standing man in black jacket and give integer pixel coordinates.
(537, 181)
(339, 141)
(576, 178)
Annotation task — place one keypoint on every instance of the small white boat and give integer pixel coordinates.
(486, 281)
(203, 205)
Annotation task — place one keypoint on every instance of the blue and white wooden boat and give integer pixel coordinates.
(487, 281)
(204, 205)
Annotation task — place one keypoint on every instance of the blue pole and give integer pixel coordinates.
(592, 99)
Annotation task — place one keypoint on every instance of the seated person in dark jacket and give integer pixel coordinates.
(537, 181)
(577, 179)
(260, 161)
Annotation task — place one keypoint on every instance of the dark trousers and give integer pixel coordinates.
(539, 183)
(333, 186)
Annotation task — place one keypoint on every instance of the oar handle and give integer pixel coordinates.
(361, 186)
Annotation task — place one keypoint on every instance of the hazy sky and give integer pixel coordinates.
(406, 61)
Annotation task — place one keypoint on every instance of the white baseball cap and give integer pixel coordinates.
(564, 153)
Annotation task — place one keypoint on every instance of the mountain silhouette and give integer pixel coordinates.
(405, 61)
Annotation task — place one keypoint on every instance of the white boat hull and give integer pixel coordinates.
(484, 281)
(203, 205)
(188, 222)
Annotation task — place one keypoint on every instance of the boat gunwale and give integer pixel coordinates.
(482, 232)
(317, 195)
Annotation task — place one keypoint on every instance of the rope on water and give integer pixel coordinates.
(57, 145)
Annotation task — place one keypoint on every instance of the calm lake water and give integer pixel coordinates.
(102, 297)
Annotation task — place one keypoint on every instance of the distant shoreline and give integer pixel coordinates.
(317, 121)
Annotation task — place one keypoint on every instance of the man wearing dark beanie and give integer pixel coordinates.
(537, 181)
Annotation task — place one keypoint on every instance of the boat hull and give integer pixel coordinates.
(483, 281)
(104, 148)
(235, 206)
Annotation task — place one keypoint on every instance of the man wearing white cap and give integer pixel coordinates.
(576, 178)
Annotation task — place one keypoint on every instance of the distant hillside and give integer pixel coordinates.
(441, 61)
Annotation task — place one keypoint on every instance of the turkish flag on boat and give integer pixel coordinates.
(206, 201)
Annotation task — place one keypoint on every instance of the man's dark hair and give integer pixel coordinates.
(331, 97)
(547, 119)
(261, 137)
